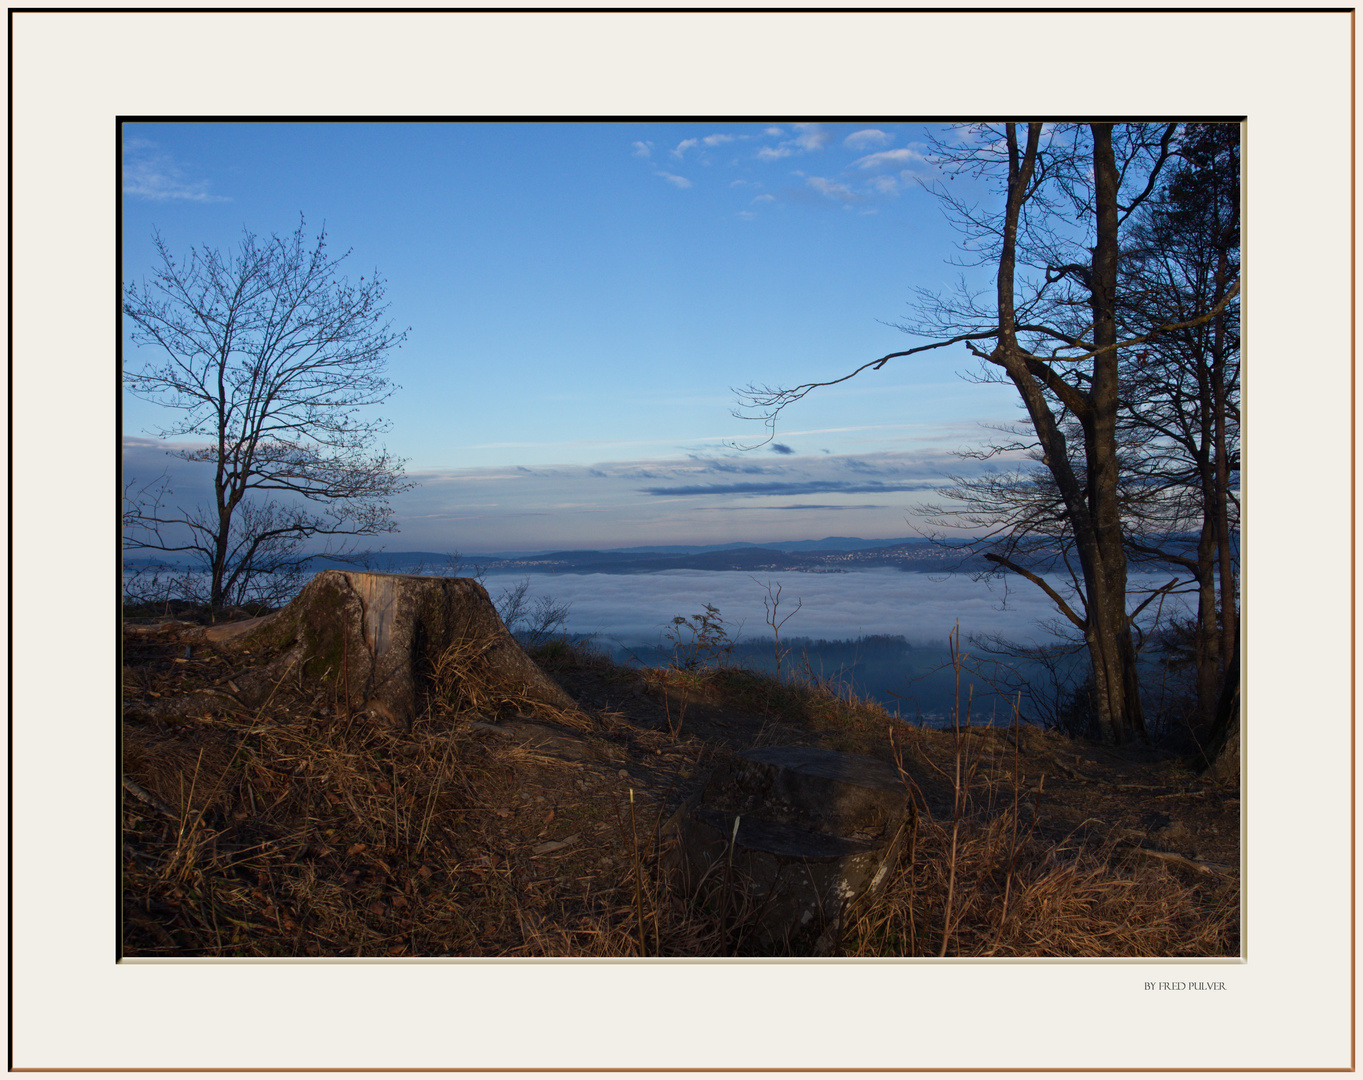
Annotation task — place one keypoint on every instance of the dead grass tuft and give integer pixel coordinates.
(464, 682)
(1040, 899)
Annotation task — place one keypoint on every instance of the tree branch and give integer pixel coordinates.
(776, 399)
(1056, 598)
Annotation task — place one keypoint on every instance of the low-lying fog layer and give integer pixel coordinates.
(923, 608)
(628, 614)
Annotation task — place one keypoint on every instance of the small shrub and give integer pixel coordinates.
(701, 641)
(532, 621)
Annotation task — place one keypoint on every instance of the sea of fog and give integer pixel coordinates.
(880, 633)
(922, 608)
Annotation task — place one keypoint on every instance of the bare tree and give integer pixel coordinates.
(533, 621)
(771, 604)
(1180, 412)
(267, 354)
(1051, 330)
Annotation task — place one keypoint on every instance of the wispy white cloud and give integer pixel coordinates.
(890, 159)
(878, 170)
(807, 138)
(788, 488)
(812, 136)
(866, 137)
(152, 173)
(833, 190)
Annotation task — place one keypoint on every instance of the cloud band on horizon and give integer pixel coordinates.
(808, 487)
(697, 499)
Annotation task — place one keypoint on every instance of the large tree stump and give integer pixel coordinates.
(383, 642)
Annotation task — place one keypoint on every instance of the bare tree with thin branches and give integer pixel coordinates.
(267, 356)
(1180, 394)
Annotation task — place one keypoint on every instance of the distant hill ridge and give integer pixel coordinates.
(706, 555)
(828, 543)
(831, 554)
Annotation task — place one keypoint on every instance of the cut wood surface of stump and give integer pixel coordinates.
(382, 642)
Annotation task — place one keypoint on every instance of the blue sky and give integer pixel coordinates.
(584, 297)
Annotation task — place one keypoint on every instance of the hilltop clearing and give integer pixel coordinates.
(298, 827)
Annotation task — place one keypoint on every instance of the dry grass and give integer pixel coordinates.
(304, 830)
(982, 879)
(1033, 898)
(307, 830)
(463, 683)
(356, 840)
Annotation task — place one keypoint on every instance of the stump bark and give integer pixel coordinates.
(385, 642)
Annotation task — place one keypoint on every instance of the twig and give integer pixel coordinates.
(638, 877)
(728, 885)
(1013, 845)
(1181, 860)
(230, 698)
(957, 808)
(345, 670)
(138, 792)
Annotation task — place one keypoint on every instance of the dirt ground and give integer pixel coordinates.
(297, 828)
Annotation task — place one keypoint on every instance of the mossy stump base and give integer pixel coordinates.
(376, 640)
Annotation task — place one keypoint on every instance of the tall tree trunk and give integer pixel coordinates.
(227, 500)
(1208, 648)
(1206, 635)
(217, 599)
(1222, 752)
(1092, 510)
(1107, 588)
(1225, 556)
